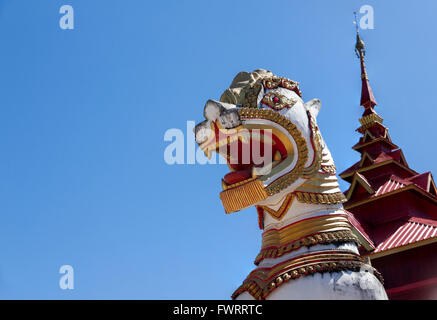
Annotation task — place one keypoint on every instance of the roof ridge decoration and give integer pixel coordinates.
(398, 179)
(423, 221)
(361, 180)
(368, 134)
(363, 159)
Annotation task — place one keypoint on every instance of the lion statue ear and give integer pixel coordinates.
(313, 106)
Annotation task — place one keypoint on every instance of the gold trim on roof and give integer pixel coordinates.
(376, 165)
(412, 187)
(369, 120)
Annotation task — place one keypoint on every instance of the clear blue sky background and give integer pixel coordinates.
(83, 114)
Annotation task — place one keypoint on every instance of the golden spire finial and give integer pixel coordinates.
(367, 98)
(359, 46)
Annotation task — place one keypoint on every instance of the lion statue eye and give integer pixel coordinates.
(277, 101)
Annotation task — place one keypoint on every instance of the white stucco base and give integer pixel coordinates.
(345, 285)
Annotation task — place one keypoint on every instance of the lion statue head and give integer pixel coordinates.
(271, 142)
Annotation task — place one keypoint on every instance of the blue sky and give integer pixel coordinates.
(83, 115)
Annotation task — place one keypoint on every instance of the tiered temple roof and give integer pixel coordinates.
(395, 207)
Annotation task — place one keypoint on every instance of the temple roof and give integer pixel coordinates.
(423, 181)
(385, 224)
(410, 233)
(367, 161)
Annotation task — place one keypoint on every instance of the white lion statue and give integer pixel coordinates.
(309, 244)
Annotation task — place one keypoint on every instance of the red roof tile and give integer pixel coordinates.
(392, 184)
(413, 230)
